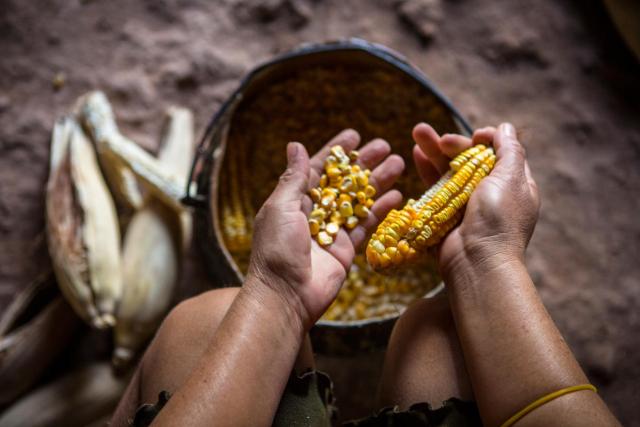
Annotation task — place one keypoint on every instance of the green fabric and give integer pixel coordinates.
(308, 402)
(453, 413)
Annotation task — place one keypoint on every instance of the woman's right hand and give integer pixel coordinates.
(502, 212)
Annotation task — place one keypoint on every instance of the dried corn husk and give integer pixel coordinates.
(150, 273)
(151, 250)
(34, 330)
(176, 157)
(82, 227)
(77, 399)
(97, 116)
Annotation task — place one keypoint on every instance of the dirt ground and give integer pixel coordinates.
(557, 69)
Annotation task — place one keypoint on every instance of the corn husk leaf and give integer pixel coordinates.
(151, 251)
(82, 227)
(96, 115)
(77, 399)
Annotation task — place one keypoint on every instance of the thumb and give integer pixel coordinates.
(509, 152)
(294, 181)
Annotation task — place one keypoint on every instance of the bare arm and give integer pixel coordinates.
(291, 281)
(243, 373)
(513, 351)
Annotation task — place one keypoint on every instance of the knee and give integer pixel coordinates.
(198, 317)
(426, 317)
(189, 327)
(182, 339)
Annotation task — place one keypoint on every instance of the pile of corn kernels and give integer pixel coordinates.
(343, 196)
(366, 294)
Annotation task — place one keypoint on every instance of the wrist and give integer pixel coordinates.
(280, 302)
(468, 270)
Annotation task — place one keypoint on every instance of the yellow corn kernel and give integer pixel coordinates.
(337, 218)
(318, 214)
(346, 210)
(333, 172)
(344, 197)
(369, 191)
(403, 235)
(361, 211)
(315, 195)
(324, 238)
(351, 222)
(314, 226)
(362, 180)
(332, 229)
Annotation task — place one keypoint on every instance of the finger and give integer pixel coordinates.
(293, 182)
(390, 200)
(533, 187)
(452, 144)
(342, 249)
(385, 175)
(509, 152)
(426, 170)
(348, 139)
(307, 204)
(373, 153)
(484, 135)
(427, 139)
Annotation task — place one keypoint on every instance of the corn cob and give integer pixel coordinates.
(82, 227)
(343, 197)
(406, 234)
(97, 117)
(151, 250)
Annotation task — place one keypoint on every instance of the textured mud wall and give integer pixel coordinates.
(554, 68)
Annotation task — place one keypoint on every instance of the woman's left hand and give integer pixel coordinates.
(285, 258)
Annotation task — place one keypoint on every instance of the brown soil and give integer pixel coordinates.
(557, 69)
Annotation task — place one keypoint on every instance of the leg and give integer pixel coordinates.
(178, 345)
(424, 361)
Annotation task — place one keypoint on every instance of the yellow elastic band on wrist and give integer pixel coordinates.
(544, 399)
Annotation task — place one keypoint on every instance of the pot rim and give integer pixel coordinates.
(198, 190)
(197, 195)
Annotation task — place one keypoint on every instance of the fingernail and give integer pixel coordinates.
(292, 152)
(508, 130)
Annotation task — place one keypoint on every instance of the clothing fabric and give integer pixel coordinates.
(308, 401)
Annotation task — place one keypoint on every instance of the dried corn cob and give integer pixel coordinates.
(343, 197)
(405, 234)
(82, 227)
(151, 249)
(97, 117)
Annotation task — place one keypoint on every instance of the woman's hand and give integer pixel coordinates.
(284, 258)
(503, 210)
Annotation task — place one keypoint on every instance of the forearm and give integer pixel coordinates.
(240, 378)
(513, 351)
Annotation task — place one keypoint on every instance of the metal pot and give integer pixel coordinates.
(354, 55)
